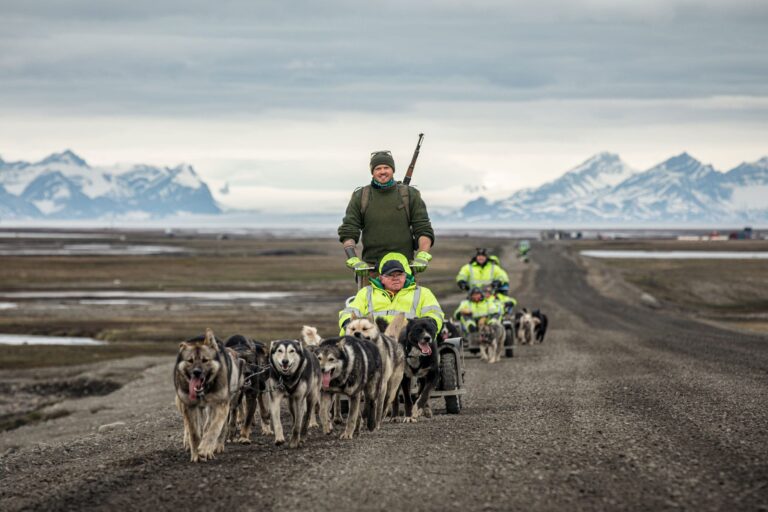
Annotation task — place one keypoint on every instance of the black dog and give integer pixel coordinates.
(422, 362)
(449, 330)
(541, 329)
(253, 392)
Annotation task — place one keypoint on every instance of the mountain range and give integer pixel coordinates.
(64, 186)
(606, 189)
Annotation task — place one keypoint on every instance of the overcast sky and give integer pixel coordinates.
(285, 100)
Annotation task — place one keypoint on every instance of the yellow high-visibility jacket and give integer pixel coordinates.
(478, 275)
(413, 300)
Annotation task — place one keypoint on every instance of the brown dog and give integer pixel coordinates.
(207, 378)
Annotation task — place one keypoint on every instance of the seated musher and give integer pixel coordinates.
(394, 291)
(477, 307)
(484, 270)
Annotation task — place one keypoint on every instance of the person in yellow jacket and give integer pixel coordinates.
(481, 270)
(477, 306)
(394, 291)
(485, 270)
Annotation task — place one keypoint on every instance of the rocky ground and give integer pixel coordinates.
(622, 407)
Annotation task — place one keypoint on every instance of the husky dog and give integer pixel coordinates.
(391, 353)
(530, 326)
(492, 336)
(353, 367)
(207, 378)
(295, 373)
(309, 337)
(254, 390)
(541, 328)
(422, 362)
(449, 330)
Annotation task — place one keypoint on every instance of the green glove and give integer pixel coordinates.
(421, 261)
(359, 266)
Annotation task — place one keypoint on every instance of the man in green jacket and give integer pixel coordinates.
(394, 291)
(391, 216)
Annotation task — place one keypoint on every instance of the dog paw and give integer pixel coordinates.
(410, 419)
(219, 448)
(279, 441)
(338, 421)
(313, 424)
(344, 435)
(427, 412)
(266, 431)
(293, 443)
(416, 412)
(244, 440)
(206, 454)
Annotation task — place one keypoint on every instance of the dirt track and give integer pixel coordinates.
(621, 408)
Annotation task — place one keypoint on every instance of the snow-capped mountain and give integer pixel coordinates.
(680, 189)
(64, 186)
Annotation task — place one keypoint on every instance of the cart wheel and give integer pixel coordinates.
(450, 382)
(509, 342)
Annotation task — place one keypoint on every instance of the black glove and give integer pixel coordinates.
(496, 285)
(463, 286)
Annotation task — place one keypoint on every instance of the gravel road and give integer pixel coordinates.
(622, 407)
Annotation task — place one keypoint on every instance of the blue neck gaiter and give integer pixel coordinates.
(375, 184)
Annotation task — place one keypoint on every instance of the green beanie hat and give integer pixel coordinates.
(382, 158)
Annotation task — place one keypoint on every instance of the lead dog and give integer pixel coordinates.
(207, 378)
(353, 367)
(391, 353)
(492, 336)
(422, 362)
(253, 393)
(294, 373)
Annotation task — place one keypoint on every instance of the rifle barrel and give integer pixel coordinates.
(409, 173)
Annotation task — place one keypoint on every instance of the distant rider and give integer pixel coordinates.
(476, 307)
(484, 270)
(391, 217)
(394, 291)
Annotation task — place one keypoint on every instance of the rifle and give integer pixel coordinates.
(409, 173)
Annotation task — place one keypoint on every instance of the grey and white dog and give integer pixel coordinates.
(391, 353)
(350, 366)
(530, 326)
(295, 374)
(492, 336)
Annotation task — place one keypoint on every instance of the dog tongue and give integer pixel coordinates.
(193, 384)
(326, 380)
(425, 348)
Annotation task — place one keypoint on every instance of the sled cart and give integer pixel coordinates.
(450, 385)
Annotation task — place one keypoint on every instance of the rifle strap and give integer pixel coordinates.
(405, 197)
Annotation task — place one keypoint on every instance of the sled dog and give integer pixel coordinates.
(492, 336)
(295, 374)
(253, 393)
(207, 377)
(530, 326)
(422, 363)
(351, 366)
(391, 353)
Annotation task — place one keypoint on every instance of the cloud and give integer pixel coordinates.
(248, 58)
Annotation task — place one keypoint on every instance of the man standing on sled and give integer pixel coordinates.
(391, 217)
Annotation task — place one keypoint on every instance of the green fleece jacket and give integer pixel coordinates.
(385, 224)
